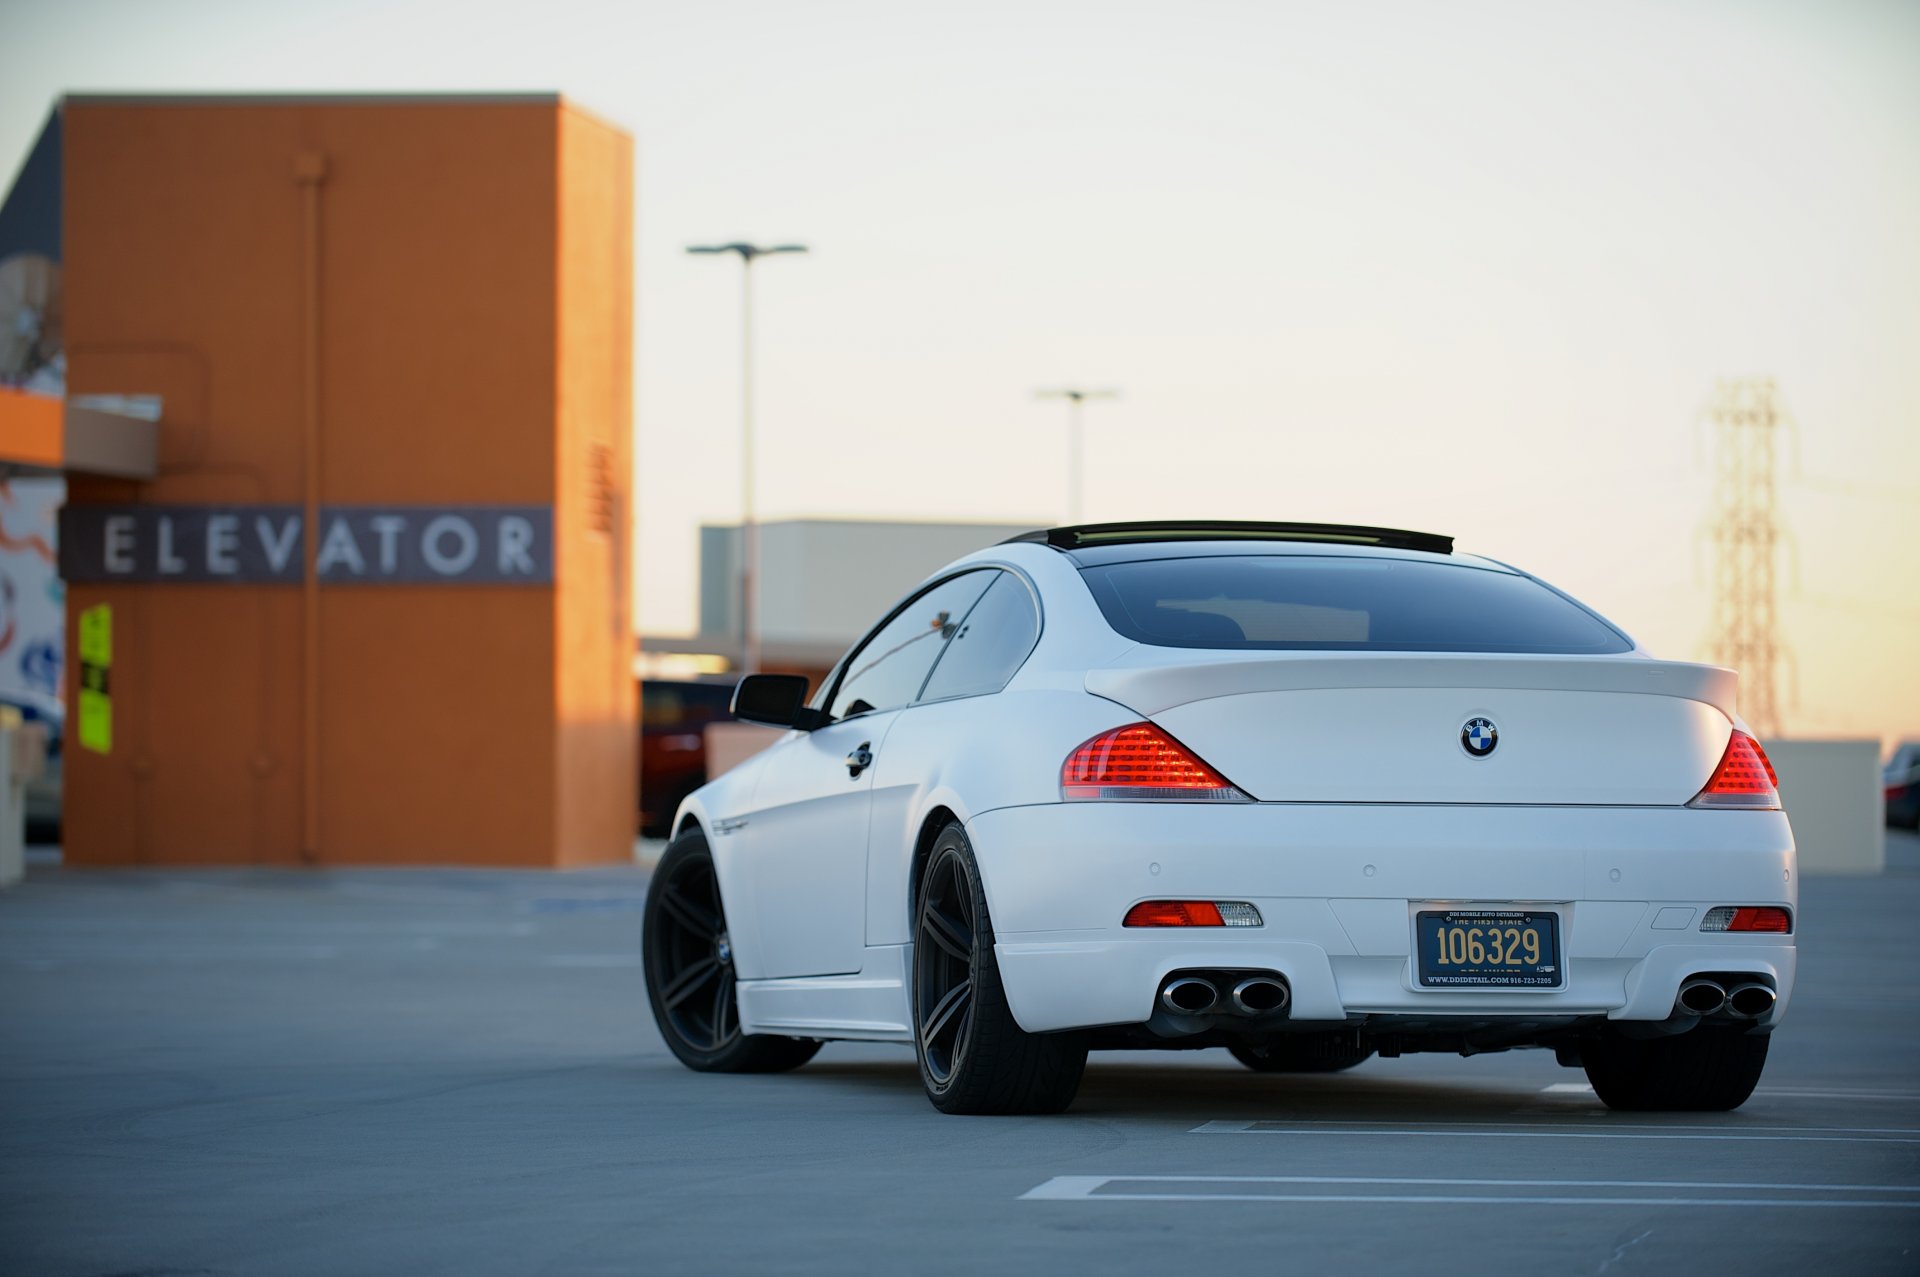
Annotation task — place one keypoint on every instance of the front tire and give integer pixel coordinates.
(690, 976)
(974, 1057)
(1708, 1069)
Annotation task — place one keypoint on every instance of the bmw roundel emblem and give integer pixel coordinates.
(1479, 736)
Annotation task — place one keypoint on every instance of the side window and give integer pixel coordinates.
(888, 669)
(990, 644)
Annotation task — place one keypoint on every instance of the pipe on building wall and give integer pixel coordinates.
(310, 174)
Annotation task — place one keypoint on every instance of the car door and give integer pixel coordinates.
(807, 848)
(957, 703)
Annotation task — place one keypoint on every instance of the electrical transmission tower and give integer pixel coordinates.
(1745, 530)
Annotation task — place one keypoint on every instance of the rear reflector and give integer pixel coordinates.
(1141, 763)
(1193, 913)
(1744, 778)
(1748, 918)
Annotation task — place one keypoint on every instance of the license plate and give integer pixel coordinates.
(1488, 948)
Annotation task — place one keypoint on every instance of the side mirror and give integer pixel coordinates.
(777, 700)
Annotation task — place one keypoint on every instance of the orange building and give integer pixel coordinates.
(373, 605)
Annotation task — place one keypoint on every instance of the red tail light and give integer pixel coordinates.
(1141, 763)
(1744, 778)
(1174, 913)
(1194, 913)
(1748, 918)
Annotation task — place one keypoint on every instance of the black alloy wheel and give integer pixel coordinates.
(943, 967)
(690, 976)
(693, 957)
(974, 1056)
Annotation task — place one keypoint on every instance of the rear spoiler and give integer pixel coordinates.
(1166, 677)
(1083, 535)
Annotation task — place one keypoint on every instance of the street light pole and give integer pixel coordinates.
(1076, 443)
(749, 524)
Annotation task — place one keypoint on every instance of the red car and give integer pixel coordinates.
(1902, 780)
(673, 750)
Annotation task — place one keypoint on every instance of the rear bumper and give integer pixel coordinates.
(1338, 885)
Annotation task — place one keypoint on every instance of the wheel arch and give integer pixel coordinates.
(937, 818)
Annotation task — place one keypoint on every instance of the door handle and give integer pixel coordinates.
(860, 759)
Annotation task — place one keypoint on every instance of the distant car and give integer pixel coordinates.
(1902, 778)
(1305, 792)
(673, 751)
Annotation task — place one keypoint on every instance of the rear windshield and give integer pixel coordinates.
(1284, 602)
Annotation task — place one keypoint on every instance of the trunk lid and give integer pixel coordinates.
(1387, 727)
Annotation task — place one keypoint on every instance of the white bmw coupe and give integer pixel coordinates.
(1306, 792)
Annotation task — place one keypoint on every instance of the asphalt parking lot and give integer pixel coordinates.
(454, 1072)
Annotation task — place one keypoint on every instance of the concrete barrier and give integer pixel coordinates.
(1832, 792)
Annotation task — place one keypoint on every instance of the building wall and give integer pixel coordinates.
(32, 611)
(825, 581)
(453, 352)
(597, 773)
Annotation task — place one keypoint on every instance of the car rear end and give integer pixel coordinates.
(1393, 792)
(1624, 907)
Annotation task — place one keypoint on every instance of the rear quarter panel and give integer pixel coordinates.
(969, 757)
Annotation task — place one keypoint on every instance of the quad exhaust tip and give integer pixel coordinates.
(1189, 996)
(1750, 1001)
(1259, 995)
(1206, 993)
(1702, 997)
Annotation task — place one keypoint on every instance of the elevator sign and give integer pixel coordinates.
(266, 544)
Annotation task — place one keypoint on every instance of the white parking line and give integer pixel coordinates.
(1568, 1088)
(1246, 1126)
(1238, 1188)
(1548, 1130)
(1837, 1093)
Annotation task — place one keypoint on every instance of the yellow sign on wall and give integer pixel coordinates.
(96, 636)
(96, 662)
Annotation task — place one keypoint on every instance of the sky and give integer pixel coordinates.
(1474, 268)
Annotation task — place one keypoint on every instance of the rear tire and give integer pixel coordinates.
(1303, 1053)
(974, 1057)
(690, 977)
(1707, 1069)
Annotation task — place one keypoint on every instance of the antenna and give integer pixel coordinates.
(1745, 531)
